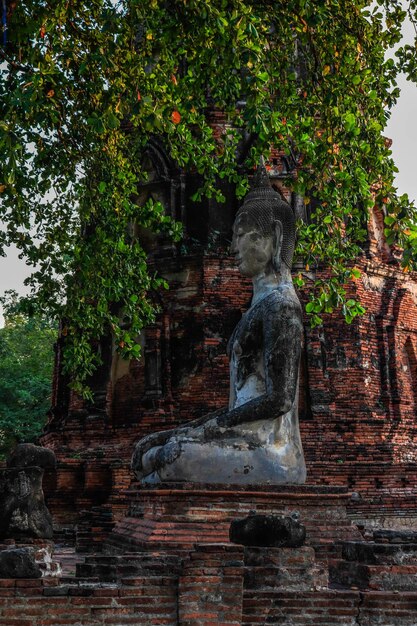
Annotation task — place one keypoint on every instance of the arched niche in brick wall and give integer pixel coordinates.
(131, 382)
(401, 336)
(162, 182)
(410, 371)
(137, 382)
(161, 178)
(127, 383)
(404, 436)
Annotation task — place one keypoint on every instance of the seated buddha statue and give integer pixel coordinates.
(256, 439)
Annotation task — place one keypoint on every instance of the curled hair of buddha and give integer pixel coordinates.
(265, 207)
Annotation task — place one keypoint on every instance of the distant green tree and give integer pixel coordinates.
(26, 360)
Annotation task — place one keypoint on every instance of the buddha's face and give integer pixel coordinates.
(254, 251)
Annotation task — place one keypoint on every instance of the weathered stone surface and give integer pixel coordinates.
(29, 455)
(290, 569)
(268, 530)
(23, 511)
(352, 574)
(395, 536)
(380, 553)
(18, 563)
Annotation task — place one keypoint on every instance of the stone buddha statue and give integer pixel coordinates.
(256, 439)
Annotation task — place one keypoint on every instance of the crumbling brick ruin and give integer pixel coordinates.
(358, 391)
(163, 556)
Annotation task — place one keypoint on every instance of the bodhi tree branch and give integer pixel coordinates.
(99, 67)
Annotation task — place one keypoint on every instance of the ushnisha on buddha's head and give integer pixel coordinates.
(264, 230)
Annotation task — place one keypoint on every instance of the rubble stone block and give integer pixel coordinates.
(267, 530)
(18, 563)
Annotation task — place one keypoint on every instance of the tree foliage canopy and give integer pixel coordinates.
(84, 85)
(26, 360)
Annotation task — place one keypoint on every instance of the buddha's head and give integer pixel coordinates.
(264, 229)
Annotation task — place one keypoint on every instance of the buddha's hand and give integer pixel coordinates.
(191, 431)
(152, 440)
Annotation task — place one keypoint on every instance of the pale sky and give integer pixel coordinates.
(402, 129)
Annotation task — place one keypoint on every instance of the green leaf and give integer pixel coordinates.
(112, 121)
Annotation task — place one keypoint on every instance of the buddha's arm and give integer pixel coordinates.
(282, 336)
(161, 437)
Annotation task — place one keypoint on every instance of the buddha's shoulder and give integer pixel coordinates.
(284, 302)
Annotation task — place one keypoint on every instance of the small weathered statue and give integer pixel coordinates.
(23, 513)
(256, 440)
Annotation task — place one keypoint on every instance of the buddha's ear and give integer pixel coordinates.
(276, 260)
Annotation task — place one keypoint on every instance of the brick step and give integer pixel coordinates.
(327, 608)
(304, 578)
(380, 553)
(354, 575)
(283, 568)
(395, 536)
(94, 527)
(64, 536)
(112, 568)
(324, 552)
(193, 532)
(118, 544)
(139, 581)
(78, 580)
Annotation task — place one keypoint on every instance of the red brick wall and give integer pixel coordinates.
(212, 590)
(143, 601)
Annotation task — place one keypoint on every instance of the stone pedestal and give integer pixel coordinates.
(174, 517)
